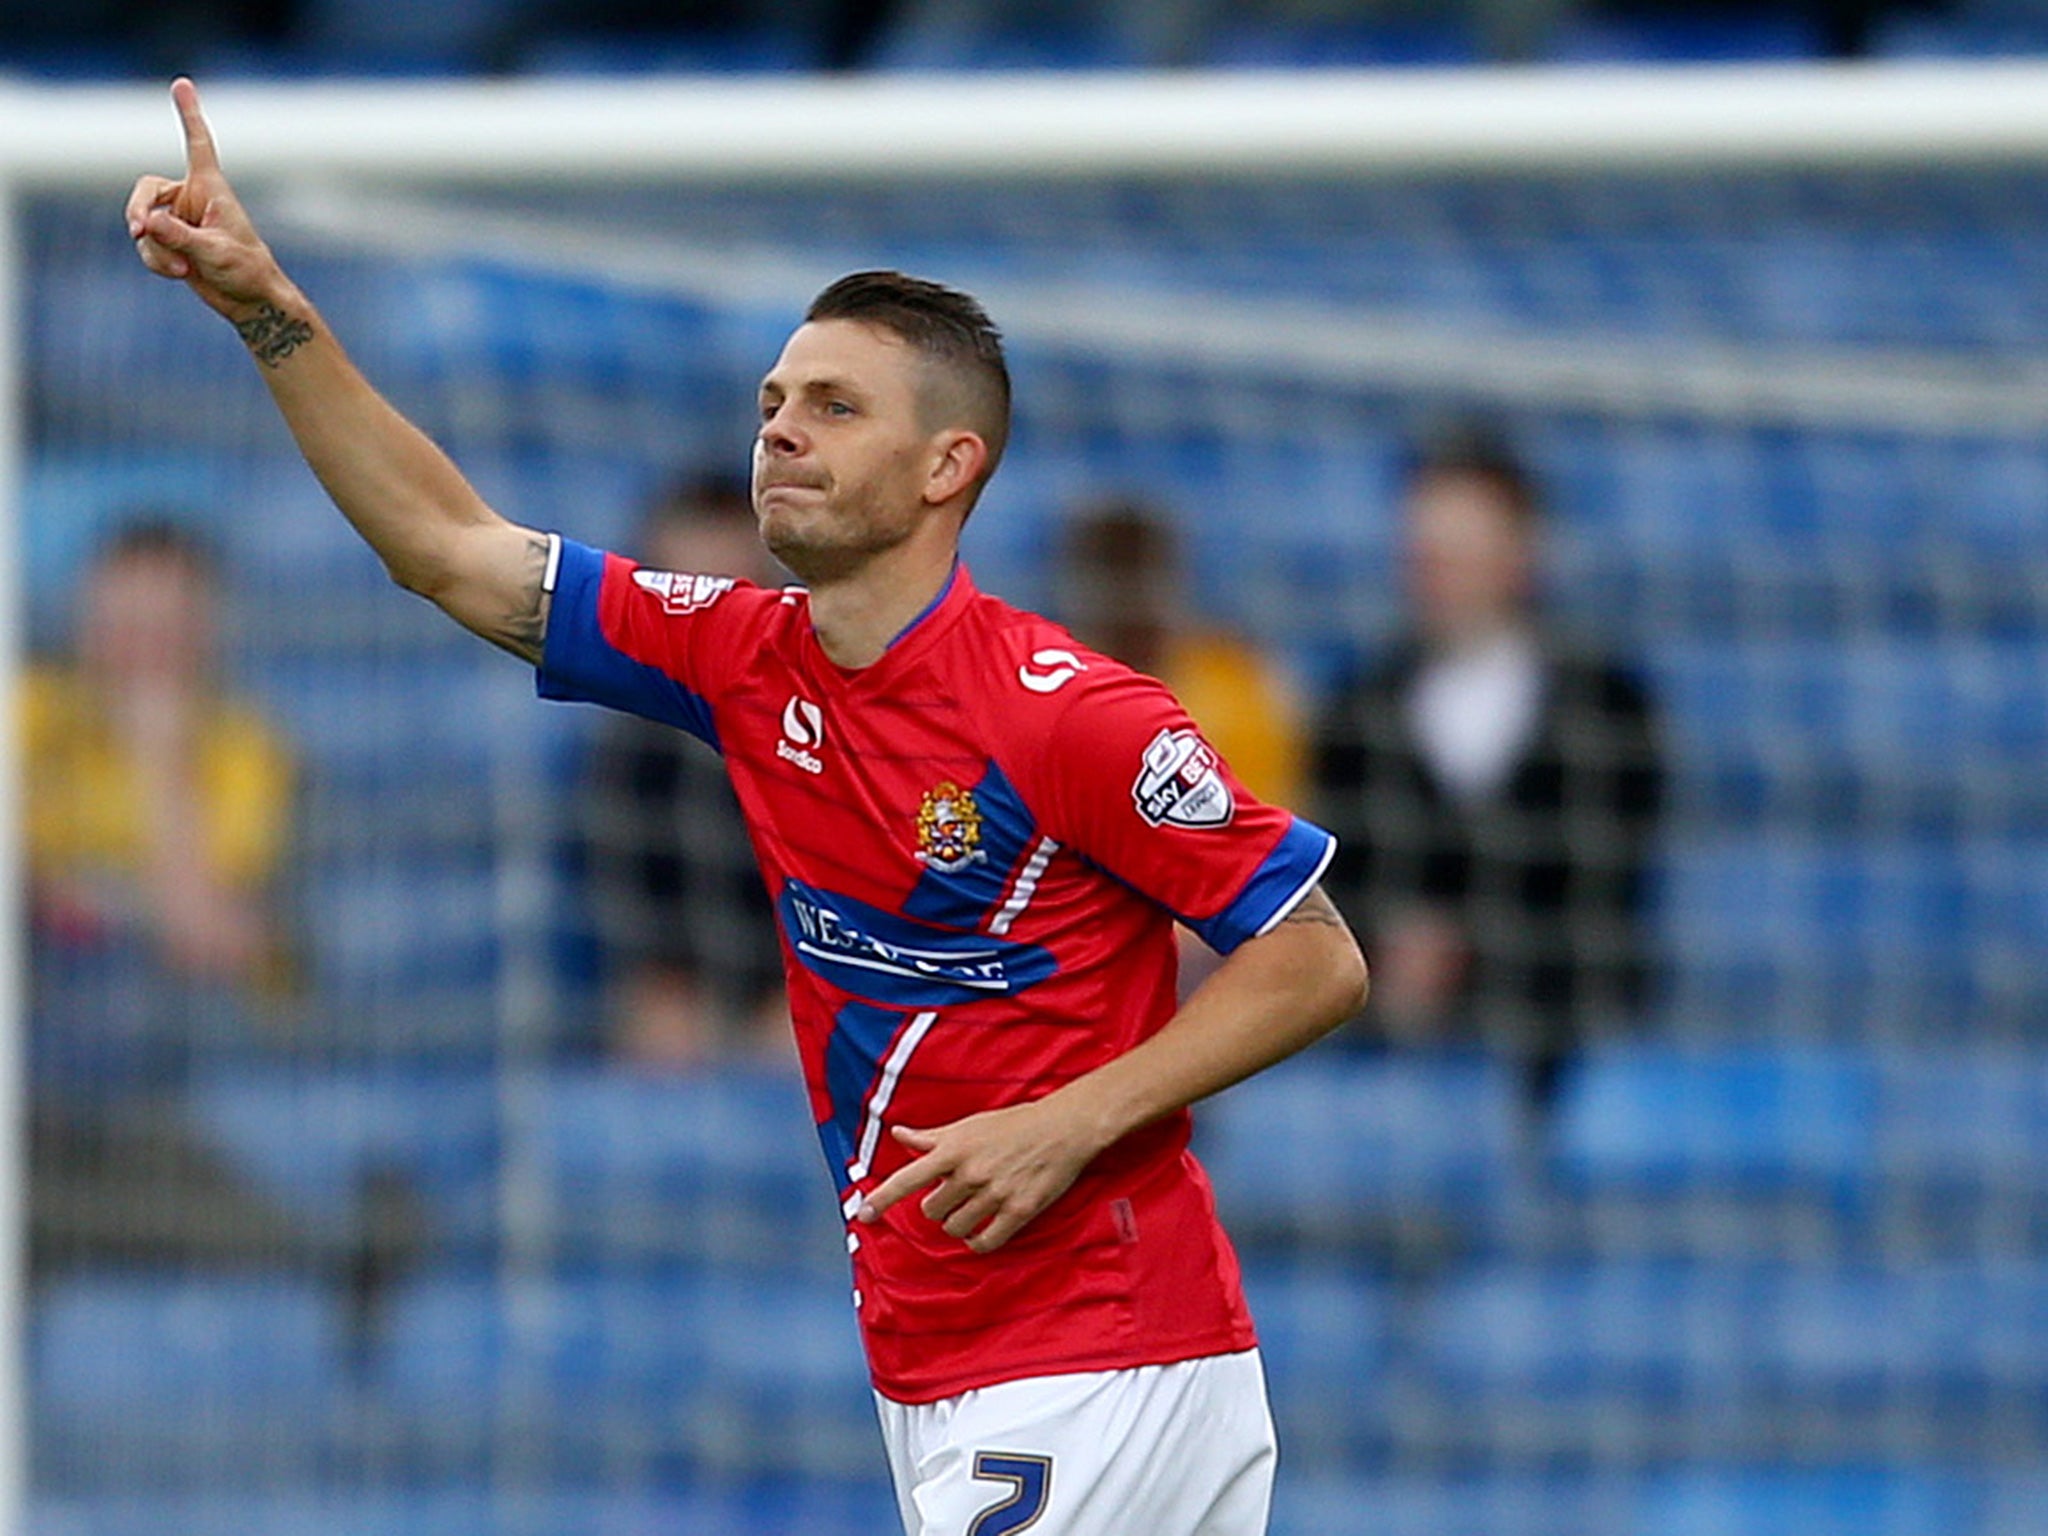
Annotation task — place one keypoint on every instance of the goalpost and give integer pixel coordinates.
(556, 255)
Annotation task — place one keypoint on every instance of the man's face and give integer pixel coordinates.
(843, 454)
(1470, 562)
(147, 617)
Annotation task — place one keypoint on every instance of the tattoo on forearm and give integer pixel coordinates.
(524, 631)
(1316, 907)
(272, 335)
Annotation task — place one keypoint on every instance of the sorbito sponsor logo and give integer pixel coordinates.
(803, 727)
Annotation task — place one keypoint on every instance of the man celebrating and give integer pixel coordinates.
(977, 836)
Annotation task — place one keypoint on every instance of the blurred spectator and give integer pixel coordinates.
(158, 814)
(1494, 791)
(689, 948)
(1122, 591)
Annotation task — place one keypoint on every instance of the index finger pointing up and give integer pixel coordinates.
(200, 154)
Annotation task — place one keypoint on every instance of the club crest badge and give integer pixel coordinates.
(1182, 783)
(949, 828)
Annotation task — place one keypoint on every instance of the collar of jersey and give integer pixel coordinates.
(930, 620)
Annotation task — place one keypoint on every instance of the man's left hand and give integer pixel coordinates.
(990, 1173)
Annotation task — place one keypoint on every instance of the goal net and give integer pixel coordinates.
(387, 1232)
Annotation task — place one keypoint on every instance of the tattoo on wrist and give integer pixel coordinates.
(272, 335)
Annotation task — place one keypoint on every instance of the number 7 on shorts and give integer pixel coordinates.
(1030, 1480)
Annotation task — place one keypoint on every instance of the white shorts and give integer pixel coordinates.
(1167, 1450)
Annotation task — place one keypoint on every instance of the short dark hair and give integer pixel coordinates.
(159, 536)
(1482, 450)
(711, 495)
(949, 328)
(1121, 535)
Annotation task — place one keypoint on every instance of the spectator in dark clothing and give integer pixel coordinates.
(692, 964)
(1494, 790)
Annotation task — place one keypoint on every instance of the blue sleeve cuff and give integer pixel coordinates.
(580, 664)
(1289, 873)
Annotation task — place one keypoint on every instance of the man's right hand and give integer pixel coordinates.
(435, 534)
(195, 229)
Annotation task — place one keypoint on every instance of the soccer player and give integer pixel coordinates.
(977, 835)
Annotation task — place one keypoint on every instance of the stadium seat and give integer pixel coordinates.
(723, 1168)
(1334, 1150)
(1468, 1503)
(649, 1337)
(1325, 1335)
(1888, 1502)
(1964, 1124)
(1747, 1361)
(836, 1507)
(1865, 736)
(112, 1341)
(315, 1141)
(1640, 1116)
(1853, 937)
(739, 1376)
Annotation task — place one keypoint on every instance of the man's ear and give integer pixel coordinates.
(958, 458)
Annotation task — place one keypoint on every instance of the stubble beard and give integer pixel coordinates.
(835, 543)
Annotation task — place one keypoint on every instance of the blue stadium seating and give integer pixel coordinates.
(1329, 1149)
(313, 1140)
(1836, 1503)
(1817, 936)
(1326, 1336)
(1476, 1503)
(734, 1376)
(1757, 1360)
(722, 1168)
(1664, 1118)
(1708, 1502)
(112, 1341)
(822, 1508)
(1966, 1123)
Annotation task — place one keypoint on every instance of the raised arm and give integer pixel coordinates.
(435, 534)
(991, 1173)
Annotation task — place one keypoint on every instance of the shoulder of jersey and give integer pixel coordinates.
(776, 607)
(1037, 661)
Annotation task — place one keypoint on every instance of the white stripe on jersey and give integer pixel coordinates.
(1026, 886)
(878, 1101)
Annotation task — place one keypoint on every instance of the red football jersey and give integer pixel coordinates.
(977, 848)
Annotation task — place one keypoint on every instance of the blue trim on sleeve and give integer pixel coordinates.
(1289, 873)
(580, 665)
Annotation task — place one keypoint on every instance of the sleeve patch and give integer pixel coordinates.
(1181, 783)
(681, 592)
